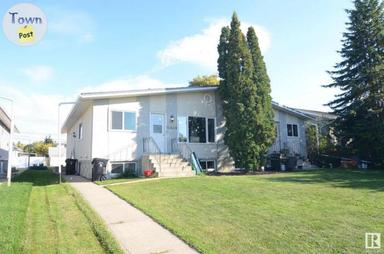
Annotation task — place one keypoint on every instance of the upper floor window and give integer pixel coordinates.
(182, 128)
(211, 130)
(196, 129)
(292, 130)
(123, 120)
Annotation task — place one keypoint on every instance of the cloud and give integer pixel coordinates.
(77, 25)
(201, 48)
(39, 73)
(36, 113)
(130, 83)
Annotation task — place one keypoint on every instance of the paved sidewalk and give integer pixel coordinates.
(136, 232)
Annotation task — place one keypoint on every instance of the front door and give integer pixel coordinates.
(158, 130)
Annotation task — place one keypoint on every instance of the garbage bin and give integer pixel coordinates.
(99, 168)
(275, 162)
(291, 163)
(70, 166)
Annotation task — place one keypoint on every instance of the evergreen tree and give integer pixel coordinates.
(222, 49)
(360, 77)
(265, 124)
(238, 92)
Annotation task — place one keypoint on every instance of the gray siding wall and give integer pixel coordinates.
(294, 144)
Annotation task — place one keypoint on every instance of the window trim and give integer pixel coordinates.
(122, 120)
(207, 160)
(298, 132)
(206, 129)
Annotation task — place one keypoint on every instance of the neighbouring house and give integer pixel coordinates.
(322, 119)
(5, 126)
(54, 160)
(160, 129)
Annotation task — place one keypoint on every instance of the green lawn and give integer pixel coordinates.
(321, 211)
(37, 215)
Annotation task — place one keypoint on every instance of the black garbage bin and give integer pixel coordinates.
(99, 168)
(70, 166)
(275, 162)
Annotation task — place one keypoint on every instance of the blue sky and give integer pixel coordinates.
(95, 45)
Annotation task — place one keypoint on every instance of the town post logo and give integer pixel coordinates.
(24, 24)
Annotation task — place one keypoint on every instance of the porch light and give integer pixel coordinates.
(74, 134)
(172, 118)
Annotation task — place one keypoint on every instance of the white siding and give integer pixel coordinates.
(81, 149)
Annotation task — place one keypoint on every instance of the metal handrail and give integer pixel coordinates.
(150, 147)
(184, 149)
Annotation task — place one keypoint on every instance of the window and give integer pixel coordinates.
(207, 164)
(123, 120)
(197, 130)
(117, 168)
(80, 131)
(117, 120)
(182, 128)
(292, 130)
(157, 123)
(124, 167)
(129, 121)
(211, 130)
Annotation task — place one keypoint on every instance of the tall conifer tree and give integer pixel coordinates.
(360, 77)
(238, 92)
(265, 125)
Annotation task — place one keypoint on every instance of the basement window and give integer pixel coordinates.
(121, 167)
(207, 165)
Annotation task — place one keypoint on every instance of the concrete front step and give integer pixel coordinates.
(171, 165)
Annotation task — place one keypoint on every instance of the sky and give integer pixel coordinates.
(120, 45)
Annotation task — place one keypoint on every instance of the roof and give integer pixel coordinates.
(85, 100)
(318, 114)
(291, 111)
(144, 92)
(5, 121)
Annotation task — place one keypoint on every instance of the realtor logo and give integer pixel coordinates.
(372, 240)
(24, 24)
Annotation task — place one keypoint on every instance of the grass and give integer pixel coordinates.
(37, 215)
(321, 211)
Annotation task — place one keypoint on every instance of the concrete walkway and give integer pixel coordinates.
(136, 232)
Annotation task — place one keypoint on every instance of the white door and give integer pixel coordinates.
(158, 130)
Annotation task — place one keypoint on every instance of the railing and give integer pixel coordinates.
(182, 148)
(151, 148)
